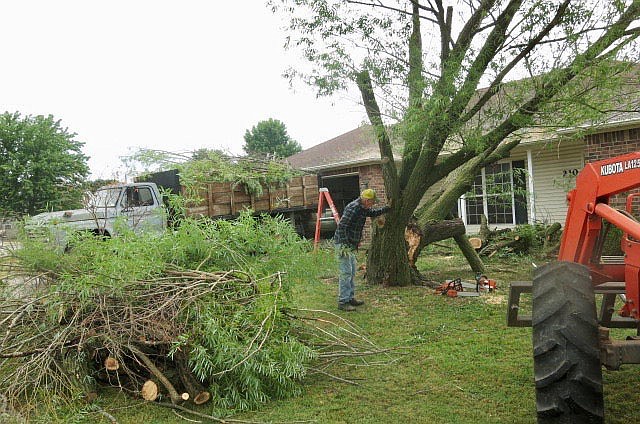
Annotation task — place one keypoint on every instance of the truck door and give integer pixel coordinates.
(142, 209)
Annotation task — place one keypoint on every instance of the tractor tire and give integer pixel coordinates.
(566, 354)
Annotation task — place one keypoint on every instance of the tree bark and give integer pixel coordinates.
(484, 233)
(469, 252)
(387, 259)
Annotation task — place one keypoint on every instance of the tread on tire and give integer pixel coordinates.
(566, 355)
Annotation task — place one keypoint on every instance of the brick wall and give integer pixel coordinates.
(371, 177)
(605, 145)
(609, 144)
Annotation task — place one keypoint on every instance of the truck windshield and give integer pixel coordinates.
(104, 198)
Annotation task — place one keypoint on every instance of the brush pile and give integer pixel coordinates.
(200, 315)
(521, 239)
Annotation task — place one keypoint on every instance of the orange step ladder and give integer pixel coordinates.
(324, 195)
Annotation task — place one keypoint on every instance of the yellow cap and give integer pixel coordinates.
(368, 194)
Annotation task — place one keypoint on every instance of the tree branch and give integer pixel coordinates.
(486, 54)
(384, 144)
(394, 9)
(560, 79)
(448, 165)
(497, 82)
(470, 28)
(438, 134)
(416, 83)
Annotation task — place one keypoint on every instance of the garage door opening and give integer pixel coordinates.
(343, 189)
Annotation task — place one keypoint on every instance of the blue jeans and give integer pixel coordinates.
(347, 267)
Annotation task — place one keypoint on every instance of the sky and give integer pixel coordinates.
(168, 75)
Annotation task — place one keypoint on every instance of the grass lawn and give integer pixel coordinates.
(457, 360)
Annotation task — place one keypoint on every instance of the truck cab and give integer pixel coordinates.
(138, 206)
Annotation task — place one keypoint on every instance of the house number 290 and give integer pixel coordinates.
(570, 172)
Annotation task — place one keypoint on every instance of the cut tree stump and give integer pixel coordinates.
(198, 393)
(149, 390)
(111, 364)
(476, 242)
(173, 393)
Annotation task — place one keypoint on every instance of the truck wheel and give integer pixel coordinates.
(566, 355)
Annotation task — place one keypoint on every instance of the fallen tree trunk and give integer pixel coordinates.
(442, 230)
(417, 238)
(469, 253)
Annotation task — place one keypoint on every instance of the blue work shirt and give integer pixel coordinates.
(349, 231)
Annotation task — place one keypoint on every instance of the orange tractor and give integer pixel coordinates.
(570, 328)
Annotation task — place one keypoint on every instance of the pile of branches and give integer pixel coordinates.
(522, 239)
(64, 340)
(173, 335)
(141, 338)
(204, 166)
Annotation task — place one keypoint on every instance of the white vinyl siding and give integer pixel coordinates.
(554, 169)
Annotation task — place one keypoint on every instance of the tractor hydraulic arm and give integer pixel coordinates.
(588, 206)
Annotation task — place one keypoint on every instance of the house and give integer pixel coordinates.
(535, 177)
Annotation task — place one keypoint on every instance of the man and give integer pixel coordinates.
(346, 239)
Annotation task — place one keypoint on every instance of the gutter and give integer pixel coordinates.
(605, 126)
(551, 137)
(342, 164)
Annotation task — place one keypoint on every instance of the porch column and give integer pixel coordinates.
(532, 200)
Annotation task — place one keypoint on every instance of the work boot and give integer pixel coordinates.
(354, 302)
(346, 307)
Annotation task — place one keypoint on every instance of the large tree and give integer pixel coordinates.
(42, 166)
(270, 137)
(441, 75)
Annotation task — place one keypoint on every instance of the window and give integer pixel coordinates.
(138, 196)
(105, 198)
(499, 196)
(474, 201)
(493, 195)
